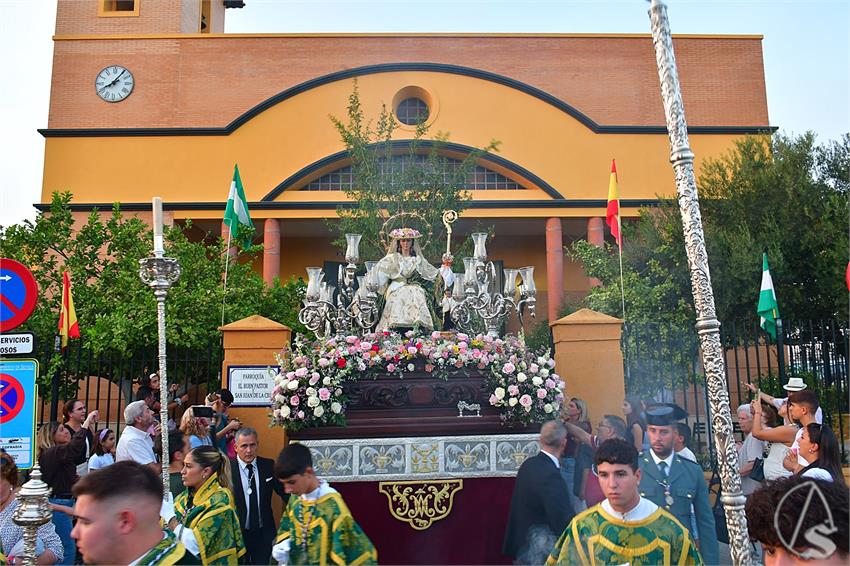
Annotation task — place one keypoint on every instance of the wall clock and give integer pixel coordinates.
(114, 83)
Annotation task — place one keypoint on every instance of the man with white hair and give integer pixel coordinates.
(750, 449)
(540, 506)
(135, 443)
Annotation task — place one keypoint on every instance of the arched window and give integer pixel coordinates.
(478, 179)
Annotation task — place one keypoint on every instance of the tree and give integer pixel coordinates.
(116, 311)
(783, 195)
(416, 179)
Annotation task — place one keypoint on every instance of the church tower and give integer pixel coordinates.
(107, 17)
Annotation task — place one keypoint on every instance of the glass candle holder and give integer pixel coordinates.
(480, 241)
(352, 251)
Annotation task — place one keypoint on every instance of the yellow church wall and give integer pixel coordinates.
(297, 132)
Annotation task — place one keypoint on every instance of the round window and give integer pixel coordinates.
(412, 111)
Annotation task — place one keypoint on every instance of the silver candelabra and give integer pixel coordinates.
(707, 324)
(478, 296)
(32, 512)
(160, 274)
(331, 311)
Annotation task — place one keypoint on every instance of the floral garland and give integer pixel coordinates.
(309, 388)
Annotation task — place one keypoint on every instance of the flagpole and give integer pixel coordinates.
(620, 252)
(226, 265)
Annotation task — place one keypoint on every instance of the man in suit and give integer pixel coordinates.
(674, 483)
(540, 506)
(253, 484)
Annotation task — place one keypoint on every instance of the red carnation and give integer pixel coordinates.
(375, 347)
(340, 363)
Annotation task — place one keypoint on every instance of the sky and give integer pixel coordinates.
(806, 54)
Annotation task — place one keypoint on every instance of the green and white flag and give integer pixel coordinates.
(768, 309)
(236, 215)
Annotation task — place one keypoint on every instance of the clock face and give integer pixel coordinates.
(114, 83)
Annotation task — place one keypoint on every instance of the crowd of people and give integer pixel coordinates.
(633, 492)
(627, 490)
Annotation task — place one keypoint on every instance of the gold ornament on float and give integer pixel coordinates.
(420, 503)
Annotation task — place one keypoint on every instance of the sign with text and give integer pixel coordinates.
(17, 410)
(251, 385)
(17, 343)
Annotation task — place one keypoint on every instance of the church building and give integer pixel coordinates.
(152, 98)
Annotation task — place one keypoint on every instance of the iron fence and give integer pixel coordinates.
(107, 382)
(662, 362)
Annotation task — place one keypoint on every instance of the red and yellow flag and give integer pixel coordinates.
(68, 327)
(612, 217)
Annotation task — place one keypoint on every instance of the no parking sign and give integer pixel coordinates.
(18, 294)
(17, 410)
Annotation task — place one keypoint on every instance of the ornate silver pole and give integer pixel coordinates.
(160, 273)
(32, 512)
(707, 324)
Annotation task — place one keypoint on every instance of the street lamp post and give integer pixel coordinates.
(708, 327)
(160, 273)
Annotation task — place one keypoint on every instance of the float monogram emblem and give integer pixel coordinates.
(420, 503)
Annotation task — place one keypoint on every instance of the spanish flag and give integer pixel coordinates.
(612, 217)
(68, 327)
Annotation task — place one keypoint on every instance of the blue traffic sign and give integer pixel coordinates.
(18, 396)
(18, 294)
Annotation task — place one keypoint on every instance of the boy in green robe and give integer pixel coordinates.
(625, 528)
(316, 527)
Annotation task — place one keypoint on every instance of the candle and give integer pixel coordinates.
(157, 226)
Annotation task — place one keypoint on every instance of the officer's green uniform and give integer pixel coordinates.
(683, 486)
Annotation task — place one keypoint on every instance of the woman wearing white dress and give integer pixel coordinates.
(406, 305)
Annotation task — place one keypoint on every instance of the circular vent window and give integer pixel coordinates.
(412, 111)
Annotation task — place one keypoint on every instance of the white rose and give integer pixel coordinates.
(318, 411)
(499, 393)
(521, 377)
(537, 380)
(547, 408)
(544, 373)
(326, 381)
(276, 413)
(280, 399)
(311, 392)
(285, 411)
(336, 407)
(312, 401)
(541, 361)
(410, 367)
(292, 385)
(512, 401)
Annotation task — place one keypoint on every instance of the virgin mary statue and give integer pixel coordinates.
(406, 305)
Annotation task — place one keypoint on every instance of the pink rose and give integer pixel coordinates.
(325, 394)
(390, 368)
(462, 337)
(435, 335)
(300, 414)
(323, 362)
(513, 390)
(352, 349)
(541, 393)
(508, 368)
(314, 379)
(525, 400)
(550, 384)
(294, 400)
(493, 400)
(412, 350)
(534, 368)
(429, 368)
(351, 339)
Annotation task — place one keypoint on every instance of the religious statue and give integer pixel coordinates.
(405, 302)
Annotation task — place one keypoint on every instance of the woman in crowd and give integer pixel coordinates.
(779, 438)
(73, 415)
(104, 450)
(205, 517)
(58, 452)
(174, 400)
(635, 423)
(196, 428)
(48, 544)
(819, 448)
(575, 462)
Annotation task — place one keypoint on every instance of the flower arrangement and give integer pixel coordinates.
(309, 388)
(405, 234)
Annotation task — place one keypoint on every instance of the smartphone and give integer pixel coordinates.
(203, 411)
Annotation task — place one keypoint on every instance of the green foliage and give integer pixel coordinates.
(116, 311)
(782, 195)
(380, 190)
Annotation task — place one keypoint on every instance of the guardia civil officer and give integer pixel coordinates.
(674, 483)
